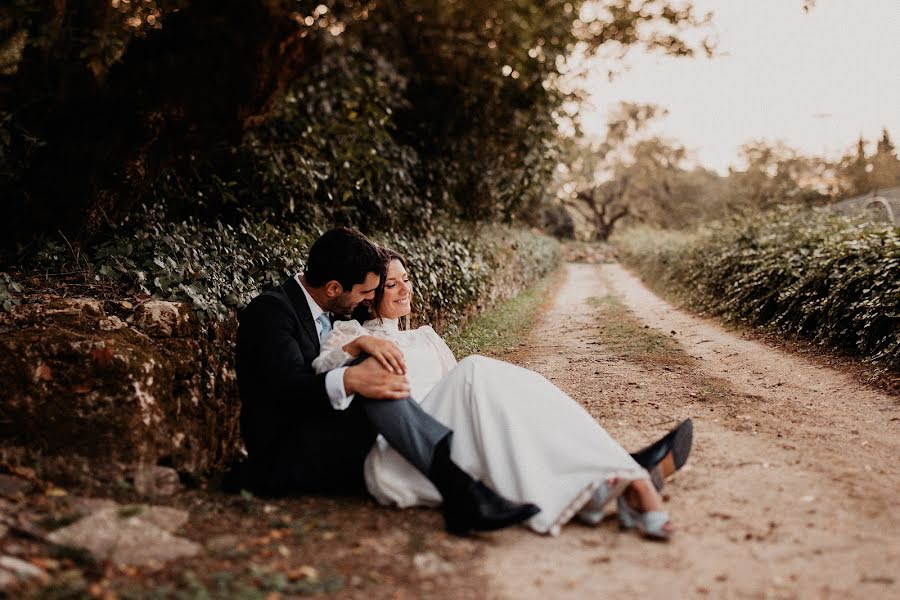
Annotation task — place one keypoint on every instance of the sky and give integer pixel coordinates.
(815, 81)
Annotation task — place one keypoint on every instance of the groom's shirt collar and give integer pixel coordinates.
(314, 308)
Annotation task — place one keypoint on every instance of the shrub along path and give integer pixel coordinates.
(791, 490)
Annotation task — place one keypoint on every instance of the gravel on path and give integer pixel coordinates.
(792, 488)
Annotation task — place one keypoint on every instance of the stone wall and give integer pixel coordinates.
(112, 385)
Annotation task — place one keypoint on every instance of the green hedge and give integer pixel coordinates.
(812, 274)
(464, 268)
(457, 267)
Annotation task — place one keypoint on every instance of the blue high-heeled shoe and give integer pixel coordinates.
(595, 509)
(650, 524)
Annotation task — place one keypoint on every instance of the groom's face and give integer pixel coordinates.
(344, 303)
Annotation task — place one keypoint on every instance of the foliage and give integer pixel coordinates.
(458, 270)
(218, 267)
(557, 221)
(371, 114)
(213, 266)
(415, 111)
(885, 165)
(328, 155)
(807, 273)
(102, 95)
(482, 94)
(776, 174)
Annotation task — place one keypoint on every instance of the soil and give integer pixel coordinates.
(791, 490)
(253, 548)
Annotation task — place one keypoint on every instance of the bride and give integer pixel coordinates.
(512, 428)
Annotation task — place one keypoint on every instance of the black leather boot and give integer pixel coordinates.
(469, 504)
(479, 508)
(668, 454)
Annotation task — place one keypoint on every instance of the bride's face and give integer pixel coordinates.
(397, 292)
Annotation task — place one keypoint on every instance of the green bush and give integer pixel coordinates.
(328, 153)
(214, 266)
(465, 268)
(811, 274)
(217, 267)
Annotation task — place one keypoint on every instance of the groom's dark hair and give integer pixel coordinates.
(342, 254)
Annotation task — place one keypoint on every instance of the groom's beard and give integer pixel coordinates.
(342, 308)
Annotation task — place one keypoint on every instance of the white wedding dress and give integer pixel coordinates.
(513, 429)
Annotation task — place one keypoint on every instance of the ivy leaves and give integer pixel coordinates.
(218, 267)
(215, 267)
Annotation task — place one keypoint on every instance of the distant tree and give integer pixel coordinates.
(885, 166)
(627, 121)
(647, 180)
(584, 183)
(776, 174)
(630, 177)
(854, 171)
(603, 207)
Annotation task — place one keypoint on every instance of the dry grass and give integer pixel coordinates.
(623, 335)
(505, 326)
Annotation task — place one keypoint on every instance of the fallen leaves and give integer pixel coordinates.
(102, 356)
(304, 572)
(43, 373)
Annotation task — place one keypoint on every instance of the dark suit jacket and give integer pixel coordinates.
(296, 441)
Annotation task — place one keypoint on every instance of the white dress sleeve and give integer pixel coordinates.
(445, 355)
(332, 355)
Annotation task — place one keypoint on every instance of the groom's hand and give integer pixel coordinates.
(370, 379)
(385, 352)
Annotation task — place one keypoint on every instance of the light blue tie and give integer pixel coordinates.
(326, 325)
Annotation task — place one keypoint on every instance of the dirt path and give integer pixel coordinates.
(792, 489)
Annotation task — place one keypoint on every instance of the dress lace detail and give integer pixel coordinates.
(424, 338)
(331, 354)
(388, 329)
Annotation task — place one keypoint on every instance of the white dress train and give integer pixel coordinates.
(512, 429)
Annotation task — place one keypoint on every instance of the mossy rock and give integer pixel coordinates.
(81, 384)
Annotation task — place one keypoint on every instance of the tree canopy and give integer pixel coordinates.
(354, 110)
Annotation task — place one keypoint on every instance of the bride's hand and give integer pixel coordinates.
(385, 352)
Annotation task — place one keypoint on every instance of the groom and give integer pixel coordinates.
(308, 432)
(311, 432)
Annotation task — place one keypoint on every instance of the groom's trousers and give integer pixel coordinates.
(412, 432)
(409, 430)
